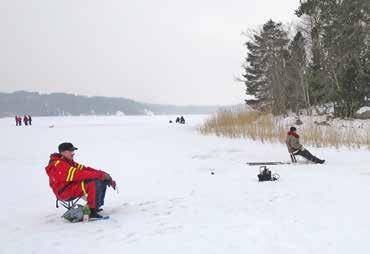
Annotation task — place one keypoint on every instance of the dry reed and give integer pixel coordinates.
(265, 127)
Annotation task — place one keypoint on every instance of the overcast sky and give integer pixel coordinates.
(160, 51)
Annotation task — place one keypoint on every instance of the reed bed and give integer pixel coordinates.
(265, 127)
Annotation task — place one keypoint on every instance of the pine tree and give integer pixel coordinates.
(298, 96)
(265, 75)
(337, 71)
(333, 71)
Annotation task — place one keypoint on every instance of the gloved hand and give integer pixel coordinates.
(113, 184)
(110, 182)
(107, 178)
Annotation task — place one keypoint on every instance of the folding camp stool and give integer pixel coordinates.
(68, 204)
(292, 155)
(293, 158)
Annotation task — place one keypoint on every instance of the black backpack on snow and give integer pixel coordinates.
(266, 175)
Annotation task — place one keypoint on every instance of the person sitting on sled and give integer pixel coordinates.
(69, 180)
(295, 147)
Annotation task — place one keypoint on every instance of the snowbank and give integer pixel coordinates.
(363, 110)
(363, 113)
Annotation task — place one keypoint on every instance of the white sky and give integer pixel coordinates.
(162, 51)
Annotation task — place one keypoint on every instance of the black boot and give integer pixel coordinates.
(94, 214)
(317, 160)
(321, 161)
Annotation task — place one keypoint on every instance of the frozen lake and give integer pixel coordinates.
(168, 200)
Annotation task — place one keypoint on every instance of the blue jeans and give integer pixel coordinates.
(101, 187)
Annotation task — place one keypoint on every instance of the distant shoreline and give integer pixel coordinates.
(64, 104)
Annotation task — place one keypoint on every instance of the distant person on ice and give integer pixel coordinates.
(25, 120)
(182, 120)
(68, 179)
(18, 121)
(29, 120)
(295, 147)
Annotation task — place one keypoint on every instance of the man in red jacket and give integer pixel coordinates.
(69, 179)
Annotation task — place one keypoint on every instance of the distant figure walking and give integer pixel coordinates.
(25, 120)
(178, 120)
(16, 120)
(29, 120)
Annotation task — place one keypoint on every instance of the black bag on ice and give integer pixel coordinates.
(266, 175)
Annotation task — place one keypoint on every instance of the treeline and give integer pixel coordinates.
(325, 63)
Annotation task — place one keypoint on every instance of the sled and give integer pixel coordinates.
(274, 163)
(269, 163)
(97, 219)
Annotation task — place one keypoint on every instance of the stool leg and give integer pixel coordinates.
(293, 158)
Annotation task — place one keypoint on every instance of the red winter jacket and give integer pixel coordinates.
(65, 175)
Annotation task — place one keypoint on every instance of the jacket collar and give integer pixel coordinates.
(58, 156)
(294, 134)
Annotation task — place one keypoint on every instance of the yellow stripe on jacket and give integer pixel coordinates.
(70, 174)
(83, 188)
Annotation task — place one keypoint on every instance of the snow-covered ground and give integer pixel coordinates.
(169, 202)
